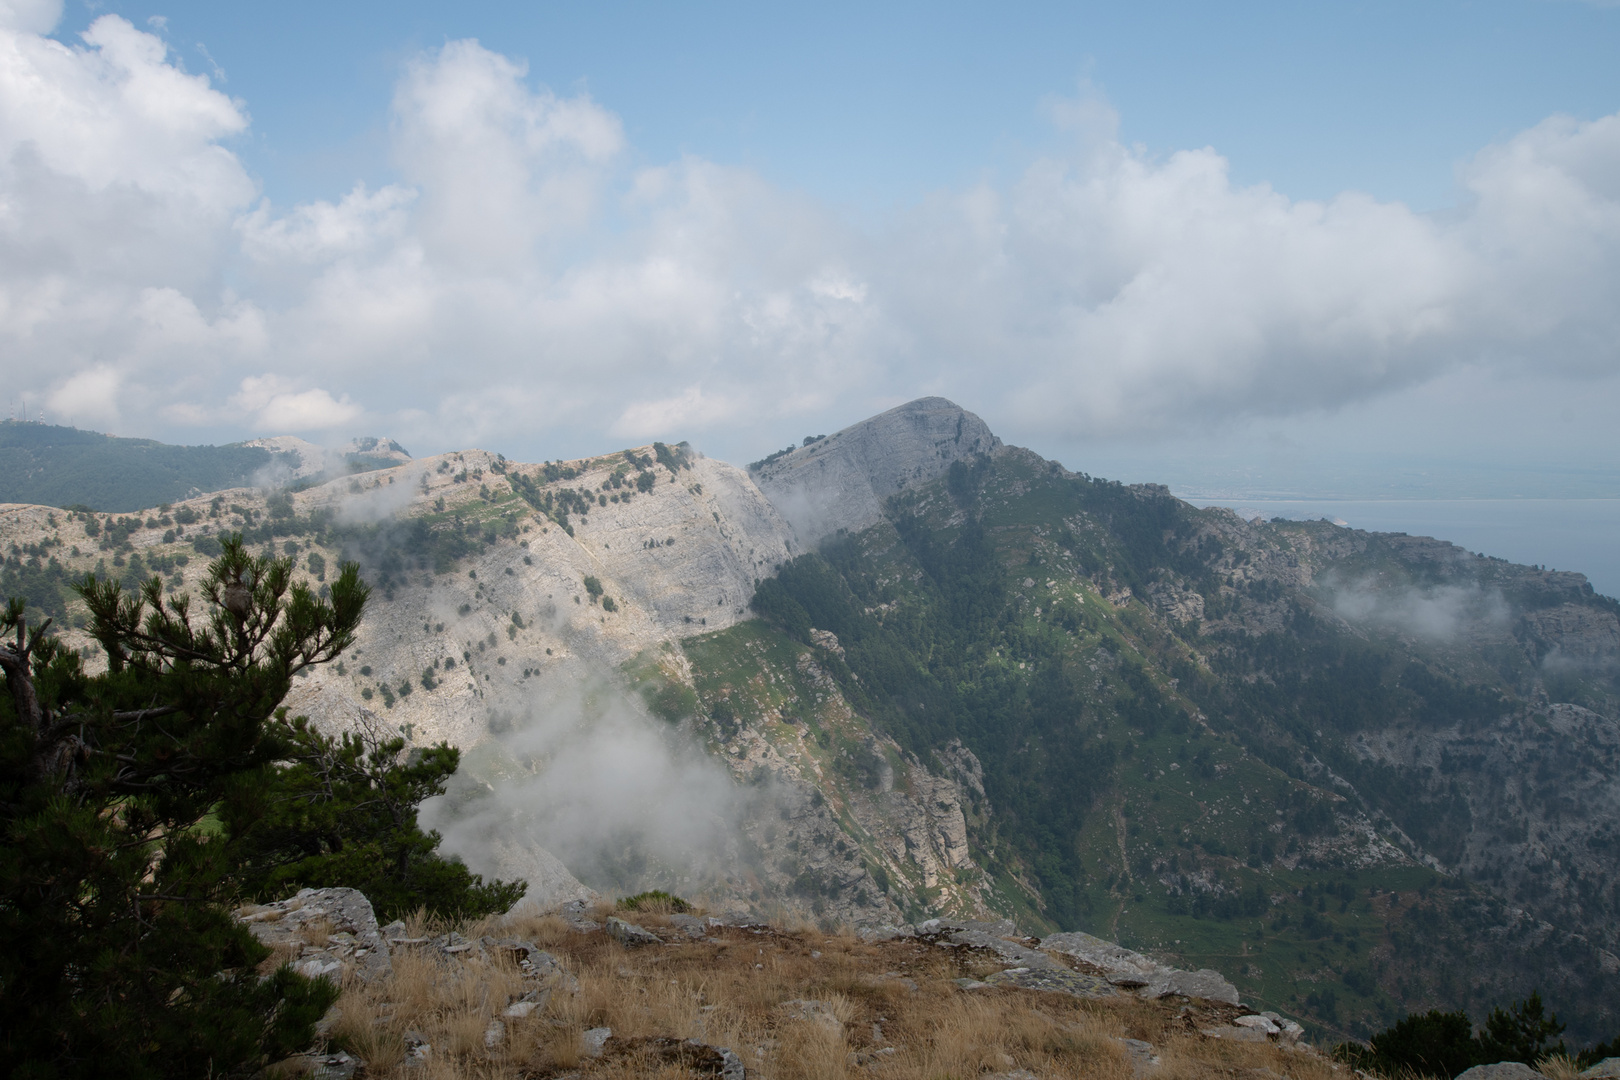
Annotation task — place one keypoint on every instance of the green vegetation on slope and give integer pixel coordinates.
(62, 466)
(1165, 784)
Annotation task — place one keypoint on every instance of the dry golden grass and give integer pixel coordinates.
(1558, 1067)
(800, 1004)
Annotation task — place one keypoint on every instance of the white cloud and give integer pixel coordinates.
(89, 397)
(501, 167)
(31, 16)
(116, 204)
(685, 412)
(278, 408)
(521, 280)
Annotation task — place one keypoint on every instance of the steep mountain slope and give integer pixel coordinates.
(1291, 751)
(1357, 773)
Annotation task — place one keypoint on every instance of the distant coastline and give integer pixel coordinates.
(1561, 534)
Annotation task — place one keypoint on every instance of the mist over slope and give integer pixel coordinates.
(1358, 773)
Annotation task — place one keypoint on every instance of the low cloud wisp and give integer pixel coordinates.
(584, 772)
(1436, 613)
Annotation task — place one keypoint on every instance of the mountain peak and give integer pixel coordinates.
(840, 481)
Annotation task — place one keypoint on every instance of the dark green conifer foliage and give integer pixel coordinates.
(137, 805)
(1521, 1033)
(1434, 1043)
(118, 955)
(342, 811)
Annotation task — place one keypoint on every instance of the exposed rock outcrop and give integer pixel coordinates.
(1151, 979)
(322, 932)
(840, 482)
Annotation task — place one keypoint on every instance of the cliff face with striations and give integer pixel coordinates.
(839, 483)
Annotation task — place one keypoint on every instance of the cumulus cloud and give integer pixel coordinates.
(279, 408)
(522, 277)
(88, 397)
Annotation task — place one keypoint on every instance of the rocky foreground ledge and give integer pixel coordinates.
(591, 991)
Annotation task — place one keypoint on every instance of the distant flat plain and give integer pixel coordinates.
(1560, 534)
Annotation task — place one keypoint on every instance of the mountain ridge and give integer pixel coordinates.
(1335, 765)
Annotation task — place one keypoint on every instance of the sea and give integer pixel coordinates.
(1559, 534)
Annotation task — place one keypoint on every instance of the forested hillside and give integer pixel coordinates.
(1281, 750)
(62, 466)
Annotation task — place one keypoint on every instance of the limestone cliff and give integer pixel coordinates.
(840, 482)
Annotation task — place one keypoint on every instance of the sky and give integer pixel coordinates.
(1352, 249)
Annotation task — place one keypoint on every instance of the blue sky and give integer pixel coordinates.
(1283, 248)
(871, 105)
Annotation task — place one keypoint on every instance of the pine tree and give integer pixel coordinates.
(139, 803)
(118, 953)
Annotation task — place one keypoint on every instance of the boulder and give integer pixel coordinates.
(1258, 1023)
(628, 933)
(1204, 983)
(1010, 951)
(323, 931)
(1502, 1070)
(1143, 1059)
(594, 1040)
(1113, 959)
(1607, 1069)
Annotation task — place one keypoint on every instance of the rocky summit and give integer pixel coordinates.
(904, 672)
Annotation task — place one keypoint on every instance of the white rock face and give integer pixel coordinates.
(677, 560)
(840, 482)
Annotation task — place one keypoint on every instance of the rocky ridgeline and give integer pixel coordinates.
(668, 549)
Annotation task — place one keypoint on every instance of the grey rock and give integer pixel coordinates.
(1125, 968)
(731, 1066)
(417, 1049)
(840, 482)
(333, 1066)
(550, 883)
(1112, 958)
(594, 1040)
(1055, 979)
(1233, 1033)
(1258, 1023)
(1203, 983)
(1008, 950)
(533, 961)
(1143, 1059)
(695, 927)
(628, 933)
(324, 929)
(1502, 1070)
(573, 913)
(1604, 1070)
